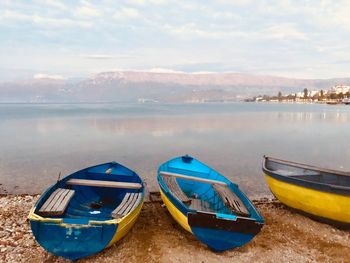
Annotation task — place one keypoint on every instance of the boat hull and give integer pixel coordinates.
(74, 239)
(177, 214)
(219, 234)
(323, 205)
(88, 225)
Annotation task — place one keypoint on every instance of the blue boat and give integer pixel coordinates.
(207, 204)
(88, 210)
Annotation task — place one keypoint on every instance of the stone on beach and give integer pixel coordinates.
(286, 237)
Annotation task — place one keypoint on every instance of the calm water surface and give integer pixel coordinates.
(39, 141)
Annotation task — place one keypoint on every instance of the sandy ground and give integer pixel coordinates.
(286, 237)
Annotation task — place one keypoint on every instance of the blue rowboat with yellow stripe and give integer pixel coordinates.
(87, 211)
(320, 193)
(207, 204)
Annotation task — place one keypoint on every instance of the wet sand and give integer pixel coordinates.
(286, 237)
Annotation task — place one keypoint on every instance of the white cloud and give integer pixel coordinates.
(59, 22)
(48, 76)
(87, 11)
(41, 20)
(191, 30)
(126, 12)
(159, 2)
(104, 56)
(137, 2)
(283, 32)
(12, 15)
(54, 3)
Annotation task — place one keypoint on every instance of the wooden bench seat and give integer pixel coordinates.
(175, 189)
(200, 205)
(231, 200)
(129, 202)
(100, 183)
(57, 203)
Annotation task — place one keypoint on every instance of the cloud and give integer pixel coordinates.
(87, 11)
(137, 2)
(191, 30)
(126, 12)
(58, 22)
(284, 31)
(103, 56)
(42, 21)
(54, 3)
(12, 15)
(148, 2)
(47, 76)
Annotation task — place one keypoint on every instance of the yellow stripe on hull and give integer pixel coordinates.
(322, 204)
(175, 213)
(126, 224)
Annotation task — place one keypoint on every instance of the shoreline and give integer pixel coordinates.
(156, 237)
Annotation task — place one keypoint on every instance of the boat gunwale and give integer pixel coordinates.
(185, 209)
(305, 166)
(318, 186)
(33, 215)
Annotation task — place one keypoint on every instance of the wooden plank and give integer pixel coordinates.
(130, 204)
(60, 199)
(99, 183)
(49, 200)
(231, 200)
(175, 189)
(55, 199)
(193, 178)
(123, 202)
(200, 205)
(57, 203)
(63, 205)
(126, 206)
(138, 200)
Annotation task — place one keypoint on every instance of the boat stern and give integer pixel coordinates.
(220, 233)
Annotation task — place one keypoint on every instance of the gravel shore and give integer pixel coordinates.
(286, 237)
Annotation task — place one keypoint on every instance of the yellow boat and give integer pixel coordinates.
(320, 193)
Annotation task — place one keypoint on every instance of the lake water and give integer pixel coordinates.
(39, 141)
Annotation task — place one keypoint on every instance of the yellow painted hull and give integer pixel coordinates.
(175, 213)
(321, 204)
(126, 224)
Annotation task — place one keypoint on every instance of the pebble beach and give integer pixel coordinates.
(286, 237)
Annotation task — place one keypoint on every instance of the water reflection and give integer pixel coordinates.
(46, 126)
(36, 146)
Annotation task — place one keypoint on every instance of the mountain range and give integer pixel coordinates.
(138, 86)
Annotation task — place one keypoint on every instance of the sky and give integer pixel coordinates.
(67, 39)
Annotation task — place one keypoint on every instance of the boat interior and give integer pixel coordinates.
(308, 173)
(214, 194)
(97, 193)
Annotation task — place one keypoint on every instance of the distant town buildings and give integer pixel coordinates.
(336, 94)
(340, 89)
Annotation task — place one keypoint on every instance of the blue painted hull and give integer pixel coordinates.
(221, 240)
(87, 225)
(73, 242)
(220, 229)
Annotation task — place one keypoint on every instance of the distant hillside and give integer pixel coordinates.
(132, 86)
